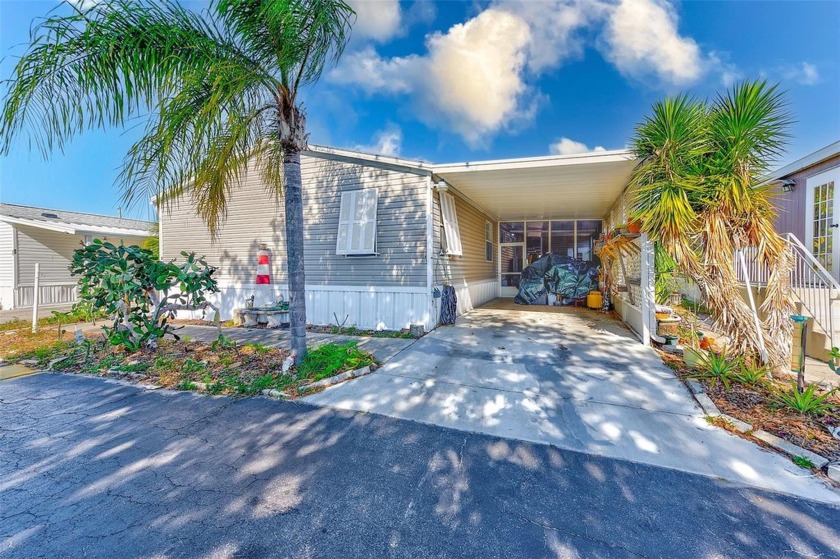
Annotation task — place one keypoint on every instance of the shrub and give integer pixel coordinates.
(140, 292)
(807, 402)
(752, 374)
(717, 368)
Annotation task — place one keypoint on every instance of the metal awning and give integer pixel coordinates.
(580, 186)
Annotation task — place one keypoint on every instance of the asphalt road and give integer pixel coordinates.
(91, 468)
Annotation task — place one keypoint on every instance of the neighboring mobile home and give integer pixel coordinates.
(384, 234)
(30, 235)
(807, 194)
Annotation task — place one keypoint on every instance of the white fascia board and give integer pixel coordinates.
(114, 231)
(614, 156)
(370, 157)
(809, 160)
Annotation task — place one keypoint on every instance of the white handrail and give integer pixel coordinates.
(811, 284)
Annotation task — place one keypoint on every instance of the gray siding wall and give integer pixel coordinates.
(791, 205)
(53, 250)
(6, 256)
(254, 218)
(473, 265)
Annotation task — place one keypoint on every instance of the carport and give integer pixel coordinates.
(562, 376)
(560, 204)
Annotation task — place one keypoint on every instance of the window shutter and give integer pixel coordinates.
(357, 222)
(345, 221)
(450, 224)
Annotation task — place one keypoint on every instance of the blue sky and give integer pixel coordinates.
(455, 81)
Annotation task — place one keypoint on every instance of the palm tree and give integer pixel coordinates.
(218, 89)
(699, 195)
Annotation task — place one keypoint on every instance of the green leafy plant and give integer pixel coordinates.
(141, 293)
(803, 462)
(329, 359)
(717, 368)
(751, 374)
(807, 402)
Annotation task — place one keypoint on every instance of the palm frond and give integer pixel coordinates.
(98, 68)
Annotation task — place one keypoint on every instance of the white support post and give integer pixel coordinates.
(36, 296)
(757, 323)
(648, 302)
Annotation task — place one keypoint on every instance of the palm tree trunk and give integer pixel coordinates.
(294, 252)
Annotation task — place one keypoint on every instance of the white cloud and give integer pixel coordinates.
(567, 146)
(803, 74)
(469, 81)
(554, 27)
(378, 20)
(387, 141)
(84, 4)
(642, 39)
(476, 78)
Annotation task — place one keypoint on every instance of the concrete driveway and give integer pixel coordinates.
(573, 378)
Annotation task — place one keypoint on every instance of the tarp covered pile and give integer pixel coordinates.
(570, 279)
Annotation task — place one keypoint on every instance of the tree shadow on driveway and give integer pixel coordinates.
(99, 468)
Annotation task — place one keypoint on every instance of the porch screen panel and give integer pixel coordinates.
(588, 232)
(563, 238)
(536, 240)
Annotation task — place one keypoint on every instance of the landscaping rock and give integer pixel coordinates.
(709, 407)
(274, 393)
(790, 449)
(834, 472)
(29, 362)
(740, 426)
(336, 379)
(695, 386)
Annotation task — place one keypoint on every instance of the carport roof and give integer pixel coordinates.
(582, 186)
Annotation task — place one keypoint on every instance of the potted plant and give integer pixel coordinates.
(693, 354)
(634, 227)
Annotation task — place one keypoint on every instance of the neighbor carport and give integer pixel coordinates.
(569, 377)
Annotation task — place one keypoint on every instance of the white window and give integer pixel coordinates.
(488, 241)
(88, 240)
(450, 224)
(357, 223)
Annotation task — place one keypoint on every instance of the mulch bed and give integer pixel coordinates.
(754, 405)
(220, 367)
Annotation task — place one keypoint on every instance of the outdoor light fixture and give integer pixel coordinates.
(442, 186)
(788, 185)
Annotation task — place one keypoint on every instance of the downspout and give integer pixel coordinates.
(430, 246)
(15, 259)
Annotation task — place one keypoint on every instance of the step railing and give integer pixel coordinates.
(812, 285)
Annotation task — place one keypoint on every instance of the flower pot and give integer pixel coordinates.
(634, 227)
(693, 357)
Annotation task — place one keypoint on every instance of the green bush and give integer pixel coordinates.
(752, 375)
(329, 359)
(717, 368)
(807, 402)
(140, 292)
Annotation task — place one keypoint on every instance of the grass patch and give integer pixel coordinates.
(330, 359)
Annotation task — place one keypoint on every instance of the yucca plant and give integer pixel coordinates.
(751, 374)
(716, 368)
(697, 193)
(218, 89)
(807, 402)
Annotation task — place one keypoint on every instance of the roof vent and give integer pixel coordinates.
(49, 215)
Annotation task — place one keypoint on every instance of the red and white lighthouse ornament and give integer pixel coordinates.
(263, 267)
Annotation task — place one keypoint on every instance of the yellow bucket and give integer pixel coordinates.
(594, 300)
